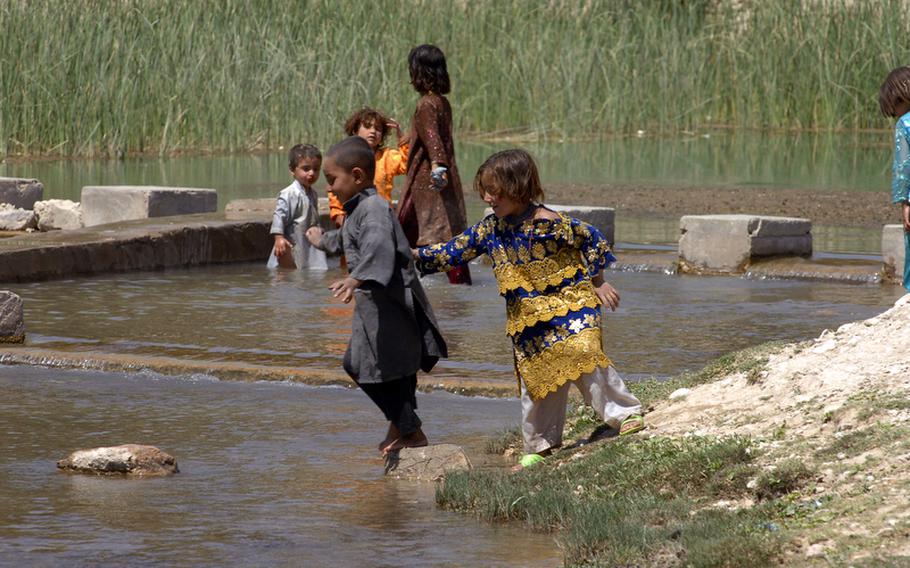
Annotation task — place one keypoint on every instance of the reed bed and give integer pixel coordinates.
(95, 77)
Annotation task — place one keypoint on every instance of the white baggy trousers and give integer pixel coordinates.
(542, 421)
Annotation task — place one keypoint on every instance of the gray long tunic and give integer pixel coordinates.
(394, 332)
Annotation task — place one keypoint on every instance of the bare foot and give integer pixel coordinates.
(390, 437)
(416, 440)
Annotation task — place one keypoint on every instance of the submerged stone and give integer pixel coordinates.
(429, 463)
(12, 322)
(127, 459)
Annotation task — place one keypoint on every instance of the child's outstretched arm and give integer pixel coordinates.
(330, 242)
(460, 250)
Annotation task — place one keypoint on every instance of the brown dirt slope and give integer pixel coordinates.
(841, 208)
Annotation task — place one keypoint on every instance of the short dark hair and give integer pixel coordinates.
(301, 151)
(364, 117)
(427, 65)
(894, 91)
(354, 152)
(512, 173)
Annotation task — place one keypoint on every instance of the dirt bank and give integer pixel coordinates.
(842, 208)
(840, 403)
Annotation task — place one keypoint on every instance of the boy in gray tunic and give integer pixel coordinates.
(394, 332)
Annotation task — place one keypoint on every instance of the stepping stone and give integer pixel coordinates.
(429, 463)
(127, 459)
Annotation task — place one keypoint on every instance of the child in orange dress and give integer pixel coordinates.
(373, 126)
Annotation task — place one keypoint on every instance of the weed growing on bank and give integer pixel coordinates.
(638, 501)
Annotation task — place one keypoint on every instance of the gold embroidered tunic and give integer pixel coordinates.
(544, 269)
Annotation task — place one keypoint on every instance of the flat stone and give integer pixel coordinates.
(13, 218)
(728, 243)
(58, 214)
(893, 254)
(105, 204)
(12, 322)
(429, 463)
(20, 192)
(127, 459)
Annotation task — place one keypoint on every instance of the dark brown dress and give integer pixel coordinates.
(429, 216)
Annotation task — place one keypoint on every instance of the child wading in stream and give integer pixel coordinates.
(548, 267)
(394, 331)
(894, 101)
(296, 210)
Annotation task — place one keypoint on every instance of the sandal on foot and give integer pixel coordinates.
(631, 425)
(528, 460)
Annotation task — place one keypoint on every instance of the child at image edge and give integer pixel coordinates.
(296, 211)
(548, 268)
(894, 101)
(394, 331)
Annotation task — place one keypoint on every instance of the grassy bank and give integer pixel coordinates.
(110, 78)
(709, 499)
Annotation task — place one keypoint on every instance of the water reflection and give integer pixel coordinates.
(854, 161)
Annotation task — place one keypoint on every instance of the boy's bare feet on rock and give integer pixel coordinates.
(416, 440)
(390, 437)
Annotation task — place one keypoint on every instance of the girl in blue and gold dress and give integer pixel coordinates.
(548, 267)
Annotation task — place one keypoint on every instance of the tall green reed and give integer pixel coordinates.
(94, 77)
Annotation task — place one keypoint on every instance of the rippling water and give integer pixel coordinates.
(275, 474)
(271, 475)
(246, 313)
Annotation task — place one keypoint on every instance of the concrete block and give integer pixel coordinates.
(113, 203)
(604, 218)
(727, 243)
(55, 214)
(21, 193)
(893, 254)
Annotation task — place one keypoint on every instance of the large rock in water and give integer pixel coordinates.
(128, 459)
(12, 324)
(56, 214)
(429, 463)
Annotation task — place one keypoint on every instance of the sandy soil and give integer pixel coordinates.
(840, 402)
(843, 208)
